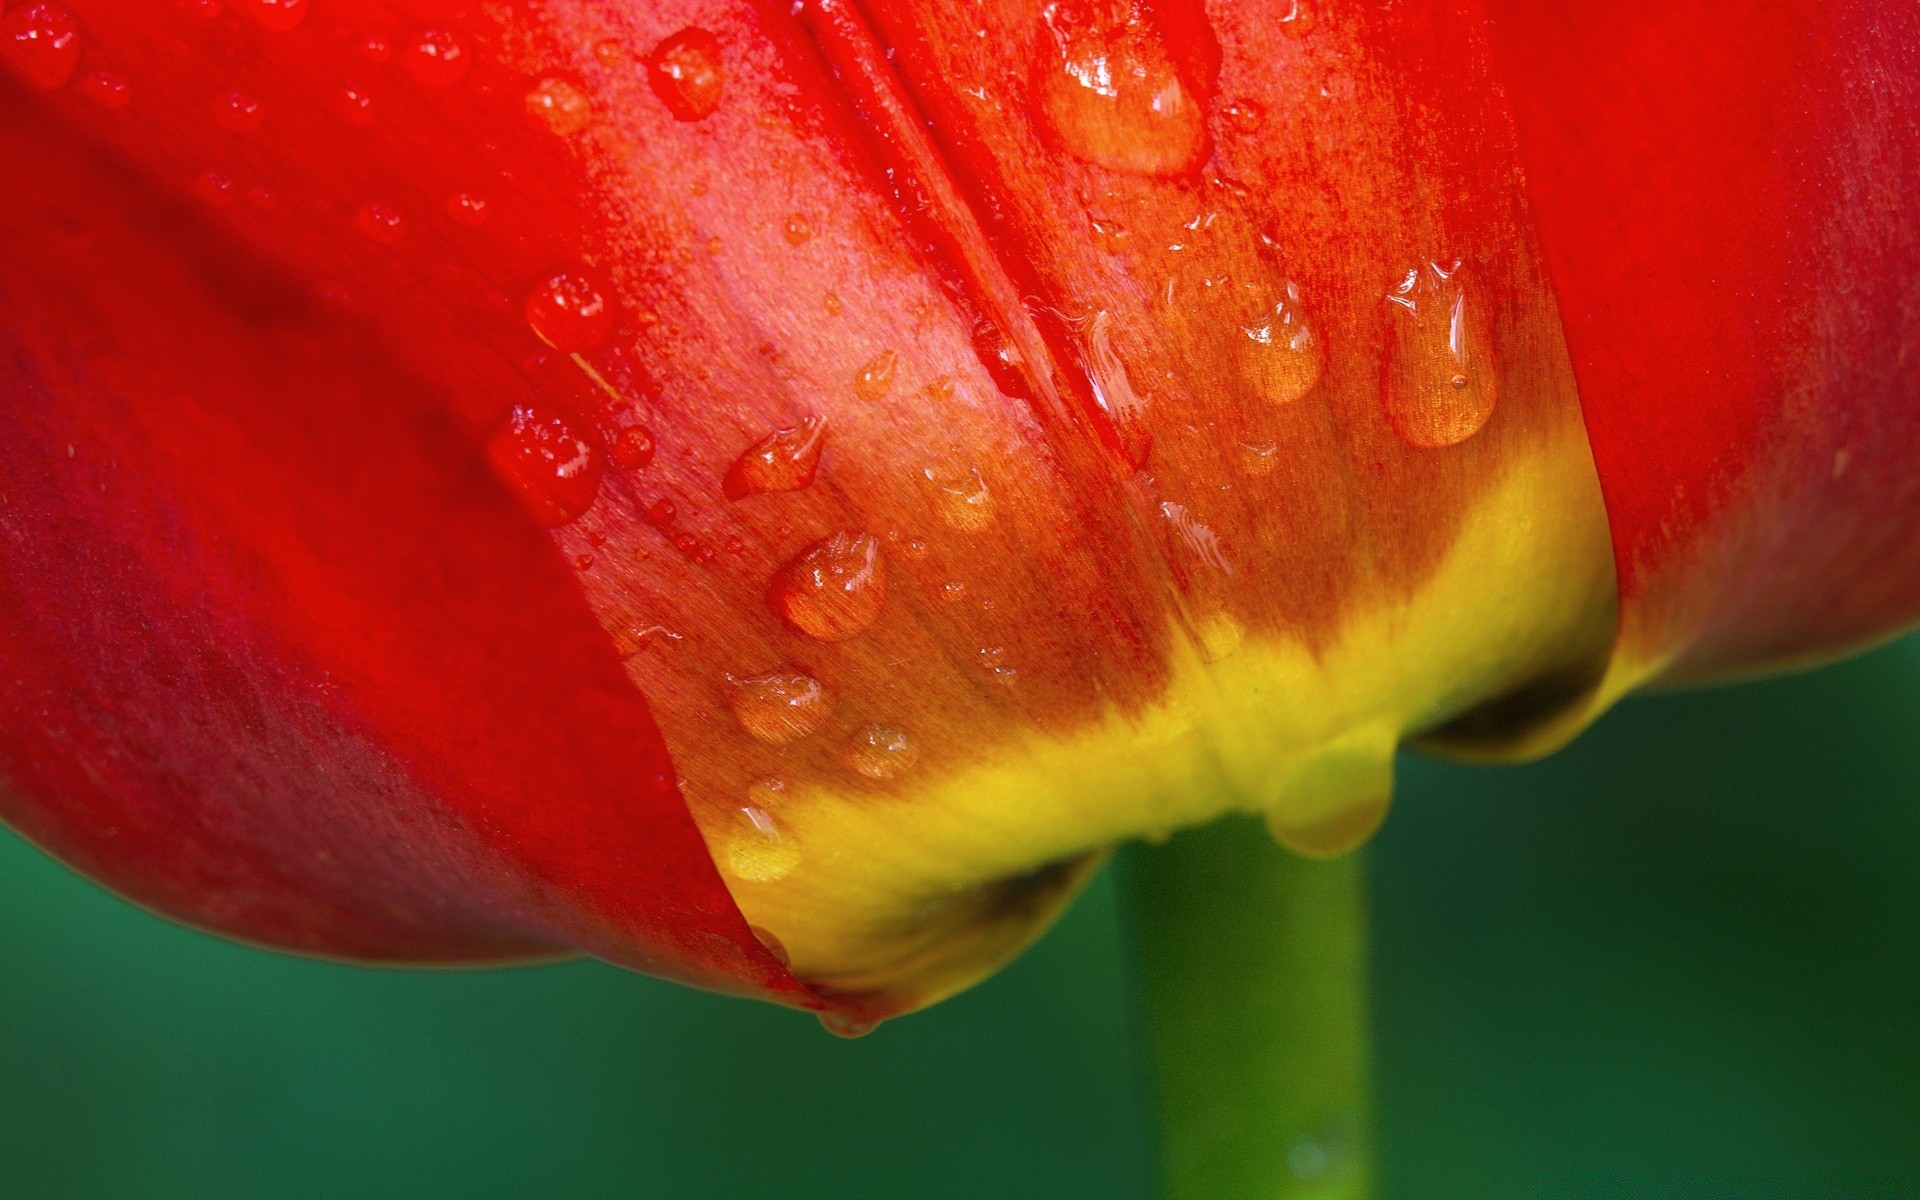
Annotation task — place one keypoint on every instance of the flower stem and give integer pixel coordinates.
(1252, 969)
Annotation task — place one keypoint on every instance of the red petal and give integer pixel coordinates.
(280, 657)
(1725, 191)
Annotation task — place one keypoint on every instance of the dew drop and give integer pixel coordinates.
(353, 104)
(1281, 357)
(215, 187)
(468, 208)
(847, 1025)
(758, 849)
(239, 112)
(786, 460)
(610, 52)
(40, 44)
(1114, 392)
(376, 49)
(797, 230)
(568, 310)
(558, 107)
(275, 16)
(882, 752)
(662, 513)
(832, 303)
(1112, 95)
(874, 378)
(436, 58)
(993, 660)
(1342, 833)
(1259, 459)
(686, 73)
(553, 468)
(1440, 386)
(380, 222)
(779, 708)
(1220, 635)
(633, 447)
(964, 503)
(834, 589)
(1247, 116)
(774, 945)
(108, 89)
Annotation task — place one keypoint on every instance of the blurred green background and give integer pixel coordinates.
(1682, 958)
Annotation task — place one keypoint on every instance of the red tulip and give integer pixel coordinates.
(765, 495)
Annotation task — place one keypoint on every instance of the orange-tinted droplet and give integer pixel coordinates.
(1282, 358)
(832, 303)
(1341, 833)
(436, 58)
(468, 208)
(882, 752)
(783, 461)
(797, 230)
(758, 847)
(964, 502)
(847, 1025)
(274, 16)
(780, 708)
(1440, 385)
(834, 589)
(380, 222)
(40, 45)
(1259, 458)
(353, 104)
(239, 112)
(558, 107)
(686, 73)
(1245, 115)
(1111, 93)
(774, 945)
(108, 89)
(875, 376)
(552, 467)
(633, 447)
(568, 310)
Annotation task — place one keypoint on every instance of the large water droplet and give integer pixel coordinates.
(964, 503)
(834, 589)
(686, 73)
(436, 58)
(1342, 833)
(558, 107)
(1282, 358)
(875, 376)
(783, 461)
(1112, 95)
(40, 45)
(1440, 385)
(882, 752)
(847, 1025)
(554, 469)
(568, 310)
(759, 850)
(781, 707)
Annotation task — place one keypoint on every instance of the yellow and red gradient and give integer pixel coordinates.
(766, 494)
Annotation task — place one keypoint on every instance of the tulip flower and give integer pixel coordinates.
(768, 495)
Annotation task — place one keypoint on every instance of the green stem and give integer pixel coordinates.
(1252, 965)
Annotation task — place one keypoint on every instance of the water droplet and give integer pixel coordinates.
(558, 107)
(1282, 358)
(239, 112)
(873, 379)
(376, 49)
(1259, 458)
(633, 447)
(1196, 536)
(1307, 1158)
(1220, 635)
(468, 208)
(797, 230)
(832, 304)
(774, 945)
(834, 589)
(215, 187)
(1440, 386)
(846, 1025)
(108, 89)
(353, 104)
(662, 513)
(686, 73)
(582, 561)
(882, 752)
(783, 461)
(715, 245)
(1112, 95)
(554, 469)
(436, 58)
(40, 44)
(993, 660)
(609, 52)
(1297, 21)
(568, 310)
(382, 223)
(779, 708)
(1113, 390)
(758, 849)
(275, 16)
(1343, 833)
(1245, 115)
(964, 503)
